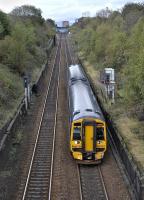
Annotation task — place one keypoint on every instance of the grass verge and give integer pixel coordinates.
(130, 128)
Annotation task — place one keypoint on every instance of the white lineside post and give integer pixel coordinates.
(109, 79)
(26, 92)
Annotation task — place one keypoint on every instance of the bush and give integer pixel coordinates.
(4, 25)
(116, 41)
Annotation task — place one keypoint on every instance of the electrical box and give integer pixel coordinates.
(107, 77)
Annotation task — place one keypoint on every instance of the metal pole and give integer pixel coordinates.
(26, 99)
(113, 93)
(26, 92)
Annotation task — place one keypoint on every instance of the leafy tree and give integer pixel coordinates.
(104, 13)
(131, 13)
(4, 25)
(50, 22)
(134, 87)
(1, 29)
(27, 11)
(116, 39)
(15, 48)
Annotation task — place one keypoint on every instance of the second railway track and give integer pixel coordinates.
(38, 179)
(92, 183)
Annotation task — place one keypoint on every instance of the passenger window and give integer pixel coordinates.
(77, 133)
(100, 134)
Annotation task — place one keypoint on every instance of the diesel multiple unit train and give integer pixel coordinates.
(88, 140)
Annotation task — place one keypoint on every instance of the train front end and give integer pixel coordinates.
(88, 141)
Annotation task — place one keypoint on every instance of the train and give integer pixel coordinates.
(88, 135)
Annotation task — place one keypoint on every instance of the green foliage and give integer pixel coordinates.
(22, 51)
(8, 85)
(114, 39)
(15, 48)
(11, 89)
(131, 13)
(1, 29)
(26, 45)
(28, 11)
(135, 67)
(50, 22)
(4, 25)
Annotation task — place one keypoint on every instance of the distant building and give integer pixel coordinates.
(65, 23)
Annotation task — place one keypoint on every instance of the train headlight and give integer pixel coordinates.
(79, 157)
(102, 154)
(77, 142)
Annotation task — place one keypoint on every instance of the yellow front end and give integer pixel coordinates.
(88, 140)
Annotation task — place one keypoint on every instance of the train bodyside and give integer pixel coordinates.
(88, 141)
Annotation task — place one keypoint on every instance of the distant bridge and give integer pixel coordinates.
(62, 29)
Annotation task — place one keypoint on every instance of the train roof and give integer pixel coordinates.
(86, 114)
(76, 73)
(83, 102)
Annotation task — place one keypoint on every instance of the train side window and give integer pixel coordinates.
(77, 133)
(100, 133)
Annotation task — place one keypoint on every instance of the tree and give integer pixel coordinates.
(1, 29)
(104, 13)
(4, 25)
(131, 13)
(27, 11)
(51, 22)
(134, 71)
(15, 49)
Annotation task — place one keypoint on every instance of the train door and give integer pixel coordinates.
(89, 143)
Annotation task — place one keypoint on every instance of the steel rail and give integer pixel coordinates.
(91, 176)
(39, 128)
(78, 174)
(79, 181)
(78, 167)
(68, 50)
(103, 183)
(53, 148)
(74, 60)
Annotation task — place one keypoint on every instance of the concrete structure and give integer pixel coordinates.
(65, 23)
(108, 78)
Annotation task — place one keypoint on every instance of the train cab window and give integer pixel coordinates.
(100, 133)
(77, 133)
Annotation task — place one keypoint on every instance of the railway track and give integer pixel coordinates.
(92, 183)
(98, 182)
(52, 172)
(69, 57)
(65, 183)
(38, 182)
